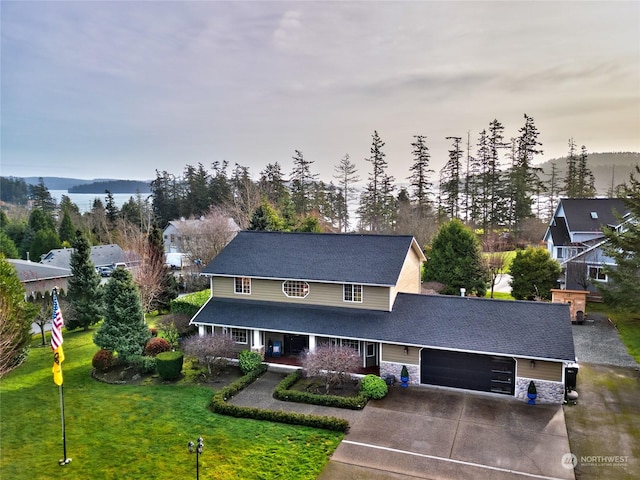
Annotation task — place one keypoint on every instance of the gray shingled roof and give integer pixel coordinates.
(578, 213)
(529, 329)
(32, 271)
(101, 255)
(344, 258)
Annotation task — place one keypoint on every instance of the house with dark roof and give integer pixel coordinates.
(575, 238)
(36, 277)
(295, 291)
(101, 256)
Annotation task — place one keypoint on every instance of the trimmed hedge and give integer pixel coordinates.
(219, 405)
(169, 365)
(190, 304)
(283, 393)
(372, 386)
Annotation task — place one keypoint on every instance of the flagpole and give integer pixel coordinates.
(64, 460)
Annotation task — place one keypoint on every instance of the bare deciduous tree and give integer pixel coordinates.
(210, 350)
(203, 239)
(333, 363)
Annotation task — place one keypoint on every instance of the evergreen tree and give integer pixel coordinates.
(266, 218)
(111, 209)
(166, 199)
(43, 242)
(124, 330)
(84, 293)
(7, 247)
(168, 288)
(374, 200)
(301, 183)
(623, 245)
(553, 190)
(450, 181)
(347, 176)
(197, 192)
(524, 178)
(420, 171)
(585, 181)
(42, 198)
(496, 189)
(533, 274)
(16, 316)
(571, 189)
(272, 184)
(455, 260)
(66, 231)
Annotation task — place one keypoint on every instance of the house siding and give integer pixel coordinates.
(396, 354)
(409, 278)
(325, 294)
(543, 370)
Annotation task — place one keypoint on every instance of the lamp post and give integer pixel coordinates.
(198, 449)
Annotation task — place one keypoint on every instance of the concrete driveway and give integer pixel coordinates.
(426, 432)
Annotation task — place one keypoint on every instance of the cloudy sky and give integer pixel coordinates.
(120, 89)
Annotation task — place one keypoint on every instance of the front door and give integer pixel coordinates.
(295, 344)
(370, 354)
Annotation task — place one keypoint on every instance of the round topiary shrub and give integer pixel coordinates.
(249, 361)
(374, 387)
(103, 360)
(169, 365)
(155, 346)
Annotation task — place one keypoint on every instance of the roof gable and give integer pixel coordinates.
(324, 257)
(592, 214)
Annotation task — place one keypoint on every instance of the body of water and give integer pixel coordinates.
(84, 201)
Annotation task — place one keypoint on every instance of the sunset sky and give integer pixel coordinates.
(120, 89)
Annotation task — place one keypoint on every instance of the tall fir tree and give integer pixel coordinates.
(41, 197)
(347, 176)
(524, 176)
(301, 183)
(450, 181)
(585, 180)
(124, 330)
(420, 172)
(623, 245)
(571, 189)
(379, 189)
(84, 291)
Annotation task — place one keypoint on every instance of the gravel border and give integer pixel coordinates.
(597, 341)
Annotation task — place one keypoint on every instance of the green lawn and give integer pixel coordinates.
(120, 431)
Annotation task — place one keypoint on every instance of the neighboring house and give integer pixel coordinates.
(300, 290)
(177, 232)
(101, 256)
(37, 277)
(574, 237)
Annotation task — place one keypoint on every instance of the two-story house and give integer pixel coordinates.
(300, 290)
(575, 238)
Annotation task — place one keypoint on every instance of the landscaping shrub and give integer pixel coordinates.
(143, 364)
(169, 365)
(249, 361)
(372, 386)
(155, 346)
(103, 360)
(283, 392)
(219, 405)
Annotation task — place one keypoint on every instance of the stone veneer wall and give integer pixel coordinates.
(548, 392)
(388, 368)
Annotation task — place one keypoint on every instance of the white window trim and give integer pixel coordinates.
(599, 269)
(235, 290)
(353, 285)
(246, 335)
(308, 289)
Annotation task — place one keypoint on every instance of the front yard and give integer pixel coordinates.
(139, 431)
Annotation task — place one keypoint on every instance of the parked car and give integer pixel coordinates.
(104, 271)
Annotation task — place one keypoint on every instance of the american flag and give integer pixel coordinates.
(57, 323)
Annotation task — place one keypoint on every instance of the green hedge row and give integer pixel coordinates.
(282, 392)
(190, 304)
(219, 405)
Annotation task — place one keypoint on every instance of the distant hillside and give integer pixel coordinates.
(56, 183)
(114, 186)
(607, 168)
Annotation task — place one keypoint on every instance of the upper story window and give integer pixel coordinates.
(597, 273)
(295, 288)
(243, 285)
(352, 292)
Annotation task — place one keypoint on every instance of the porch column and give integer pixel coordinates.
(201, 330)
(312, 343)
(257, 342)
